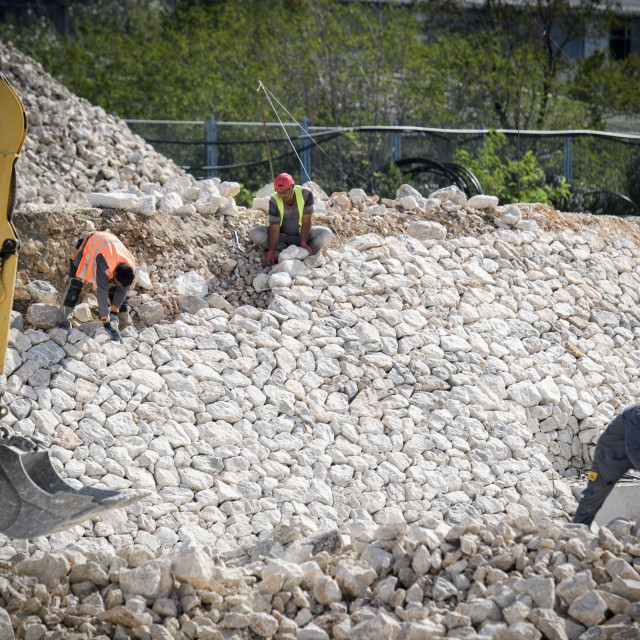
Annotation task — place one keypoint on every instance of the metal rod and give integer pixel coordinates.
(524, 68)
(268, 124)
(264, 126)
(568, 159)
(212, 147)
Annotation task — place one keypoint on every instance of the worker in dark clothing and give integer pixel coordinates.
(102, 260)
(290, 210)
(617, 451)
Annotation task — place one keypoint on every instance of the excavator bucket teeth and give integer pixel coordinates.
(36, 501)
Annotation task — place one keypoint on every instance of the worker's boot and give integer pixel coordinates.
(124, 319)
(69, 303)
(66, 315)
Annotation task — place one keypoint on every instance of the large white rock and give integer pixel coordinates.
(511, 216)
(143, 281)
(170, 202)
(293, 252)
(146, 206)
(44, 316)
(408, 203)
(483, 202)
(113, 200)
(407, 191)
(190, 283)
(262, 204)
(261, 282)
(451, 194)
(208, 205)
(151, 312)
(42, 291)
(191, 564)
(229, 189)
(427, 230)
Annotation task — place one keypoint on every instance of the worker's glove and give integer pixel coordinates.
(304, 245)
(114, 321)
(271, 258)
(114, 334)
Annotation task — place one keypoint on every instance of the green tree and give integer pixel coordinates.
(609, 87)
(336, 62)
(506, 65)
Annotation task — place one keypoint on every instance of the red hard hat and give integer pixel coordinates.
(283, 181)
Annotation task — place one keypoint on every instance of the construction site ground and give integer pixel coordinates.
(48, 236)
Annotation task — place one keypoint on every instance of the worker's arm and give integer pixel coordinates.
(274, 224)
(118, 298)
(306, 217)
(306, 228)
(274, 236)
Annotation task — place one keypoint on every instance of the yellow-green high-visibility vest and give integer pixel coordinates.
(299, 200)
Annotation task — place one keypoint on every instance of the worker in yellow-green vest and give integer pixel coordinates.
(290, 211)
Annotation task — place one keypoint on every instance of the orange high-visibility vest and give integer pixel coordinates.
(109, 247)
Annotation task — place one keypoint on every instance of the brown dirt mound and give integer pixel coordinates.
(208, 244)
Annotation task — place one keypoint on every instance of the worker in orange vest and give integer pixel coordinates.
(103, 261)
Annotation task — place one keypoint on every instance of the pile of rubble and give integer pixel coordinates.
(559, 309)
(73, 147)
(369, 443)
(511, 579)
(417, 383)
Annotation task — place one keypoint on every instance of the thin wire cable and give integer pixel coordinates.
(344, 173)
(268, 93)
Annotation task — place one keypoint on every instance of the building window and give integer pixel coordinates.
(620, 40)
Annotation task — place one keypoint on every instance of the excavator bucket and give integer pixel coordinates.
(34, 499)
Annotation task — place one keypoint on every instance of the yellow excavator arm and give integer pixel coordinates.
(34, 499)
(13, 131)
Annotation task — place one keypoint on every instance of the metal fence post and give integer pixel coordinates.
(396, 150)
(305, 155)
(567, 148)
(212, 147)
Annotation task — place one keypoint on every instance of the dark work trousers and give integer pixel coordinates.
(617, 451)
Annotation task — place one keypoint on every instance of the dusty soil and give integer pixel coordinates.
(48, 238)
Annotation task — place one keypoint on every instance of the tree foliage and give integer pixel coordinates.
(339, 62)
(503, 65)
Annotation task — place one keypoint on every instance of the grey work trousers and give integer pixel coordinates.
(319, 237)
(593, 497)
(617, 451)
(75, 289)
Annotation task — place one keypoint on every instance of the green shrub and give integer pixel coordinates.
(510, 181)
(385, 184)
